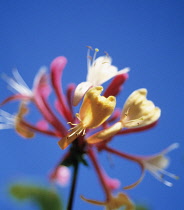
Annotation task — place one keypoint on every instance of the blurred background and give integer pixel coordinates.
(147, 36)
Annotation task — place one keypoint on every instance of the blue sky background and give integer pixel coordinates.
(147, 36)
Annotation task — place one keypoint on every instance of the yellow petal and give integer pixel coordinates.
(119, 201)
(138, 111)
(115, 202)
(95, 109)
(65, 141)
(105, 134)
(19, 127)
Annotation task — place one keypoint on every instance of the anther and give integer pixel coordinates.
(106, 53)
(89, 47)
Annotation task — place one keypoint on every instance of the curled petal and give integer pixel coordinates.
(14, 97)
(137, 182)
(101, 70)
(80, 90)
(57, 67)
(101, 203)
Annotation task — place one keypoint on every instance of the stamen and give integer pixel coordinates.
(77, 116)
(89, 47)
(94, 56)
(106, 53)
(84, 132)
(71, 123)
(77, 132)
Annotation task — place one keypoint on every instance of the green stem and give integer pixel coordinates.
(73, 186)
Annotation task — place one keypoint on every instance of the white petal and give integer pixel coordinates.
(123, 71)
(101, 70)
(170, 148)
(104, 75)
(80, 91)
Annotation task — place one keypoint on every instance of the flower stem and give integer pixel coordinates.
(73, 186)
(93, 158)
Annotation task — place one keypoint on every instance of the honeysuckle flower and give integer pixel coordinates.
(94, 110)
(61, 175)
(100, 70)
(115, 202)
(138, 111)
(21, 89)
(157, 164)
(14, 121)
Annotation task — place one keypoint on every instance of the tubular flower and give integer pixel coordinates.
(18, 85)
(100, 70)
(115, 202)
(137, 112)
(157, 164)
(94, 110)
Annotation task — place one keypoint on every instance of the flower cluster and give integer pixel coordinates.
(93, 127)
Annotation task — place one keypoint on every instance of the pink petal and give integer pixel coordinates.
(115, 86)
(57, 67)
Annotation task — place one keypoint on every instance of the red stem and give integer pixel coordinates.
(94, 160)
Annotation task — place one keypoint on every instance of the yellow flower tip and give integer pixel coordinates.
(20, 129)
(73, 134)
(94, 92)
(115, 202)
(120, 200)
(96, 50)
(95, 108)
(138, 111)
(63, 143)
